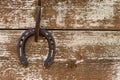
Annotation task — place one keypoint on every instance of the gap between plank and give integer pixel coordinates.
(71, 29)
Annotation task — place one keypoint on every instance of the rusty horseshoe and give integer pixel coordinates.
(38, 31)
(24, 38)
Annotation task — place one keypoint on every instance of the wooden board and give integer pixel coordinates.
(82, 55)
(69, 44)
(61, 14)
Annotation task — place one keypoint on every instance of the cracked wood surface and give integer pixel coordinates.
(61, 14)
(84, 55)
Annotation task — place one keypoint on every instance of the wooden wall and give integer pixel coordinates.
(86, 32)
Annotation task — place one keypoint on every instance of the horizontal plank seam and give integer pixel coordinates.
(69, 29)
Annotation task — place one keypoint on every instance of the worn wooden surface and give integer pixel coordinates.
(61, 14)
(80, 55)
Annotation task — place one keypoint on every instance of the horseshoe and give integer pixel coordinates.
(22, 41)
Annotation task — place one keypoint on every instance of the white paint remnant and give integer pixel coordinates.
(1, 64)
(4, 39)
(65, 60)
(31, 74)
(96, 38)
(79, 61)
(35, 57)
(4, 72)
(61, 8)
(100, 10)
(4, 54)
(116, 71)
(104, 58)
(94, 11)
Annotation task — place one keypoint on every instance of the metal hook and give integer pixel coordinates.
(37, 32)
(29, 33)
(38, 18)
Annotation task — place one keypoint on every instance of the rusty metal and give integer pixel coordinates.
(29, 33)
(38, 15)
(37, 32)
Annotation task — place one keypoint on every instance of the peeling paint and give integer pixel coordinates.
(96, 14)
(95, 39)
(68, 14)
(4, 39)
(72, 56)
(61, 10)
(80, 55)
(101, 10)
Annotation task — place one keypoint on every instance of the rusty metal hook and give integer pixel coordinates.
(37, 32)
(29, 33)
(38, 18)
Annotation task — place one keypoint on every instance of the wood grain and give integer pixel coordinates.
(82, 55)
(61, 14)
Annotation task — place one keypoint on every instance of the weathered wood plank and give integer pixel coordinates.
(80, 55)
(97, 44)
(59, 14)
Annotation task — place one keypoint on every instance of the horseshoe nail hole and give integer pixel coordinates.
(52, 44)
(52, 41)
(21, 40)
